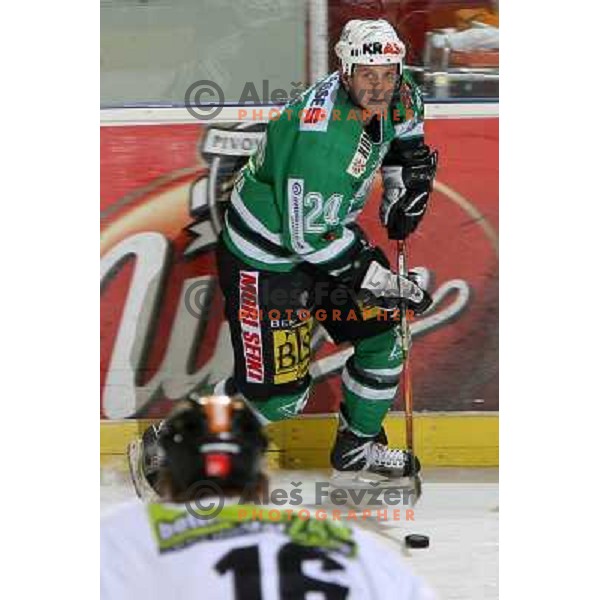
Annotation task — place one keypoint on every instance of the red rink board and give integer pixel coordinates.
(148, 174)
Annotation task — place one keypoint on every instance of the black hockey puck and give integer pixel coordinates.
(415, 540)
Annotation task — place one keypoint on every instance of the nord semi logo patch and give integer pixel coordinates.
(250, 322)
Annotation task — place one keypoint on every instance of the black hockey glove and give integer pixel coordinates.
(408, 179)
(368, 274)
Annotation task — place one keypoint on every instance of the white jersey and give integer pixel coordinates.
(161, 551)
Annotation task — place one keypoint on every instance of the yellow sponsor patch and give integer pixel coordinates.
(291, 350)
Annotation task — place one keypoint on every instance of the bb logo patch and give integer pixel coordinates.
(291, 352)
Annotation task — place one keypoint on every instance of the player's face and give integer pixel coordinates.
(373, 86)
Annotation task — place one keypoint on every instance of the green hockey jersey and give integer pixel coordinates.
(310, 178)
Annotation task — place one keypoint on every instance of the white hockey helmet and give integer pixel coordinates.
(369, 42)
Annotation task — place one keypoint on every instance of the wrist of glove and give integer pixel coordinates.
(388, 290)
(404, 217)
(407, 179)
(353, 273)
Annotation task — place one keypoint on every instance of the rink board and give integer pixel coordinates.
(161, 172)
(458, 439)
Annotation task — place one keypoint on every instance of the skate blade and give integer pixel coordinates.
(365, 478)
(359, 479)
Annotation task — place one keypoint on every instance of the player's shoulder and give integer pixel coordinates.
(393, 576)
(122, 511)
(318, 125)
(380, 555)
(125, 530)
(330, 535)
(314, 111)
(127, 514)
(410, 99)
(365, 540)
(410, 92)
(408, 109)
(317, 113)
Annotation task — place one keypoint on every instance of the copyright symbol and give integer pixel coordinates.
(207, 500)
(197, 296)
(209, 107)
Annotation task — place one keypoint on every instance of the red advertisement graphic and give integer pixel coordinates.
(163, 188)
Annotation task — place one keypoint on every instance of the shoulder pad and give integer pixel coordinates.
(408, 111)
(317, 110)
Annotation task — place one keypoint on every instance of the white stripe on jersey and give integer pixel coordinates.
(365, 392)
(251, 221)
(332, 250)
(253, 251)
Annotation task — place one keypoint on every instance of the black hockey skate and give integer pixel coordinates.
(371, 459)
(144, 458)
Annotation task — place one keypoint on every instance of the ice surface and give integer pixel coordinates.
(458, 511)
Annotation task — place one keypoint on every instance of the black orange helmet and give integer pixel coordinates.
(212, 438)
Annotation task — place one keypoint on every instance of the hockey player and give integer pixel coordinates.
(290, 242)
(176, 550)
(291, 254)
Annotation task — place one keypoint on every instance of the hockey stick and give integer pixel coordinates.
(406, 376)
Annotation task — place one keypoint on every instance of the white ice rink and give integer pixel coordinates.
(458, 511)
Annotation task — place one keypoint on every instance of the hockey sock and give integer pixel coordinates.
(370, 380)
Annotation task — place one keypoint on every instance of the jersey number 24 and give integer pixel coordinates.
(320, 218)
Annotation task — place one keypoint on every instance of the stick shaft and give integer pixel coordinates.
(406, 377)
(408, 401)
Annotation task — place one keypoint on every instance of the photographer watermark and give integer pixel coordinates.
(376, 501)
(198, 295)
(205, 99)
(207, 500)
